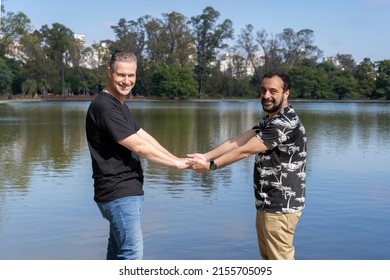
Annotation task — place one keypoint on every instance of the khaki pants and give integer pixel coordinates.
(275, 233)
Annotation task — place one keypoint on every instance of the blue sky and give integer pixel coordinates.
(357, 27)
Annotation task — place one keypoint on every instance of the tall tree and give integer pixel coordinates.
(180, 40)
(297, 46)
(58, 41)
(13, 27)
(29, 87)
(6, 77)
(169, 40)
(246, 41)
(346, 62)
(383, 81)
(102, 53)
(271, 50)
(209, 38)
(341, 82)
(157, 42)
(131, 35)
(174, 82)
(37, 66)
(365, 75)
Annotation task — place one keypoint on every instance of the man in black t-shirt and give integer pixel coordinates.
(116, 143)
(279, 143)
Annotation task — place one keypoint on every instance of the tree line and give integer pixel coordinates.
(180, 58)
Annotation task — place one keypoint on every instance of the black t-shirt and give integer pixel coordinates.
(117, 171)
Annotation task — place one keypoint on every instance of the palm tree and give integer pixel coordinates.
(29, 87)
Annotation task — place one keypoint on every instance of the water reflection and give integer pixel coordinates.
(42, 137)
(46, 185)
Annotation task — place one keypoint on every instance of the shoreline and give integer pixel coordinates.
(136, 99)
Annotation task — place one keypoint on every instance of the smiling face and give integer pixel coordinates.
(121, 79)
(273, 96)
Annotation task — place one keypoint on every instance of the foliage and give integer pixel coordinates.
(12, 28)
(29, 87)
(181, 58)
(383, 80)
(365, 75)
(57, 43)
(173, 82)
(6, 77)
(209, 38)
(296, 46)
(323, 81)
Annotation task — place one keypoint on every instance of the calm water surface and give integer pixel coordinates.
(46, 195)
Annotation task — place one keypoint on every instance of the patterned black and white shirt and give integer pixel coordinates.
(280, 173)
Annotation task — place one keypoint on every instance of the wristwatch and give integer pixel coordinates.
(213, 166)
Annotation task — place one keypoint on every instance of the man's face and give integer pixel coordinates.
(273, 98)
(122, 78)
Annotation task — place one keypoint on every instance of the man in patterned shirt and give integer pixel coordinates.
(279, 142)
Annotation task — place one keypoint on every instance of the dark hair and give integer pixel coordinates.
(282, 75)
(123, 56)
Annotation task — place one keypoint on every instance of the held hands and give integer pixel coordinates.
(199, 162)
(184, 163)
(195, 161)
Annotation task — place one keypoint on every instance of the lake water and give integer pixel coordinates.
(46, 195)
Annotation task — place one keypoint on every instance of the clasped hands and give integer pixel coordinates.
(196, 162)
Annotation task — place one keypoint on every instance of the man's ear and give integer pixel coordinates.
(109, 72)
(286, 94)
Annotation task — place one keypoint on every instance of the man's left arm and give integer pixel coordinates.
(146, 136)
(251, 147)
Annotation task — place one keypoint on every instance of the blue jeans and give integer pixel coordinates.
(126, 240)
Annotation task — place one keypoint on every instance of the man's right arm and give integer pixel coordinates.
(226, 146)
(149, 151)
(254, 145)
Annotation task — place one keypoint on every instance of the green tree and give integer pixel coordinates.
(6, 77)
(58, 41)
(79, 81)
(131, 35)
(304, 82)
(218, 82)
(271, 48)
(66, 88)
(174, 82)
(37, 66)
(235, 79)
(29, 87)
(102, 54)
(365, 75)
(44, 87)
(13, 27)
(169, 40)
(78, 54)
(346, 62)
(209, 38)
(246, 41)
(157, 42)
(382, 89)
(342, 84)
(297, 46)
(180, 40)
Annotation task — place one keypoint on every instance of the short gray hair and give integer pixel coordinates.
(123, 56)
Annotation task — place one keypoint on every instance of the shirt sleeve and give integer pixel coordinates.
(271, 134)
(118, 124)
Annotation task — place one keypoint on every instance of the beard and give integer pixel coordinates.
(274, 107)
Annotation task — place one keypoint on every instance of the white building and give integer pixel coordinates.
(230, 61)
